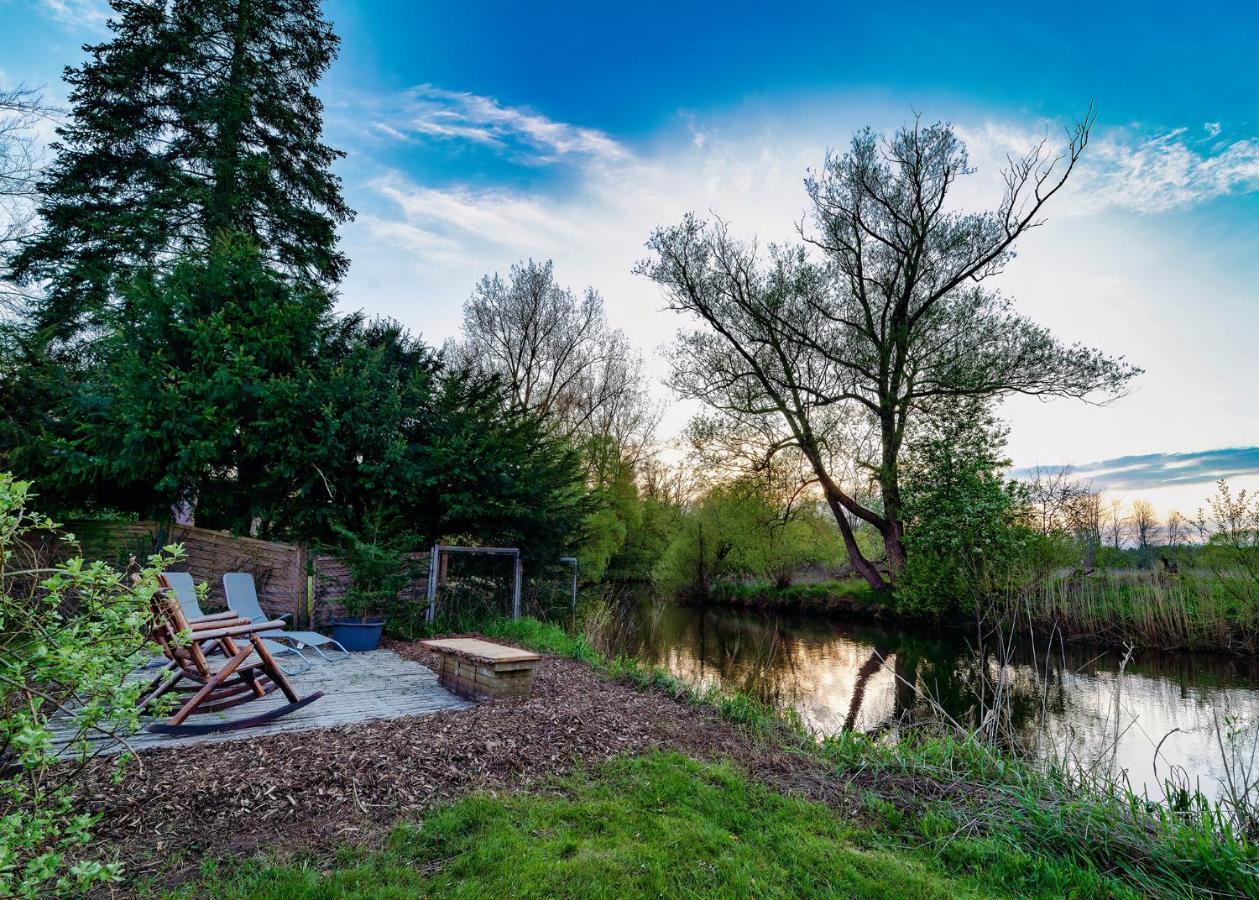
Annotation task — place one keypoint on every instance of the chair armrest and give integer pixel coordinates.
(236, 630)
(199, 625)
(213, 617)
(284, 616)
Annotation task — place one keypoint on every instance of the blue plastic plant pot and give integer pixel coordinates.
(356, 635)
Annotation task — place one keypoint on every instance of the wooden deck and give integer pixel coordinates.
(376, 685)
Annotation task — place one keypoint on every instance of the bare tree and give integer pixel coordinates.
(1115, 524)
(894, 318)
(558, 356)
(22, 111)
(1056, 495)
(1176, 530)
(1085, 518)
(1145, 524)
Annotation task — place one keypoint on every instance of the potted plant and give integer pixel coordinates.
(379, 570)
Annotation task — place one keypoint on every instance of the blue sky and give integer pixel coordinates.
(482, 133)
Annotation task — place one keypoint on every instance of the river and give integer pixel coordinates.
(839, 675)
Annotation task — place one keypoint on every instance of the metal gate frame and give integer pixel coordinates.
(434, 568)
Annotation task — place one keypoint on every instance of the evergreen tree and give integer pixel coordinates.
(197, 118)
(193, 395)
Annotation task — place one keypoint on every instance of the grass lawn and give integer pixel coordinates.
(648, 826)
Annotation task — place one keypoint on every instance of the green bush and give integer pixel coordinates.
(379, 565)
(739, 530)
(967, 539)
(70, 632)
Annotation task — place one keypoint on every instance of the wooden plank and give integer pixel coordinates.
(481, 651)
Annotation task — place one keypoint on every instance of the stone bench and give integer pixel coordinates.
(476, 669)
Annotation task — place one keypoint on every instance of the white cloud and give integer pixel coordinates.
(88, 14)
(431, 113)
(1090, 274)
(1130, 170)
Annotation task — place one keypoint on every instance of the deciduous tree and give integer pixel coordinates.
(558, 356)
(893, 318)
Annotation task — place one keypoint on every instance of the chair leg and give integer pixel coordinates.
(306, 662)
(338, 646)
(208, 688)
(273, 670)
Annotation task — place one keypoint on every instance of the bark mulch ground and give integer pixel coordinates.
(312, 790)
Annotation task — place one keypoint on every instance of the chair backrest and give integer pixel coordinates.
(169, 622)
(242, 596)
(185, 592)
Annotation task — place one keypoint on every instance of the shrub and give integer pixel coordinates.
(69, 634)
(968, 539)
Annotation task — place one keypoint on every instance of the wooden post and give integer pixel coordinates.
(431, 615)
(515, 593)
(301, 588)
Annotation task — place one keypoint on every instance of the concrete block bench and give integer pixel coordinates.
(477, 669)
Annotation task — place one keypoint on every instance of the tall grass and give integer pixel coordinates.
(1195, 611)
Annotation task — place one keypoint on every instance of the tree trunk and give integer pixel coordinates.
(889, 481)
(863, 566)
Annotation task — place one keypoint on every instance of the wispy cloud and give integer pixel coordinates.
(1170, 171)
(89, 14)
(430, 113)
(1157, 470)
(1127, 168)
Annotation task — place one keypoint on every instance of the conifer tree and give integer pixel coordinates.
(197, 118)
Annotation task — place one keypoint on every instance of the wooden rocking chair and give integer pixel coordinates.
(246, 671)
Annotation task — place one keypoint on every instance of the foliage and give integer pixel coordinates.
(232, 395)
(1231, 547)
(1194, 610)
(70, 632)
(967, 535)
(379, 565)
(478, 468)
(648, 535)
(194, 119)
(616, 508)
(741, 529)
(191, 394)
(1150, 849)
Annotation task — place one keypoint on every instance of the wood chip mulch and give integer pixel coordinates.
(309, 790)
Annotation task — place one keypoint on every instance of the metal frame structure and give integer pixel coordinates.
(434, 570)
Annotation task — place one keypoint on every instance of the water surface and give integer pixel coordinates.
(1068, 698)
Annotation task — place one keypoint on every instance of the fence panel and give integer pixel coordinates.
(279, 570)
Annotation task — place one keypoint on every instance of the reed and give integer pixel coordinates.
(1170, 612)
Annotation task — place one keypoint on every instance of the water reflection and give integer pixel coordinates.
(868, 677)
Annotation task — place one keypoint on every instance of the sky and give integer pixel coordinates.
(480, 134)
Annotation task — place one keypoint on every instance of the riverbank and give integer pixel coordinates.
(1191, 611)
(841, 598)
(615, 779)
(1151, 610)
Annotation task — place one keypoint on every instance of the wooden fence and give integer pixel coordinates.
(279, 570)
